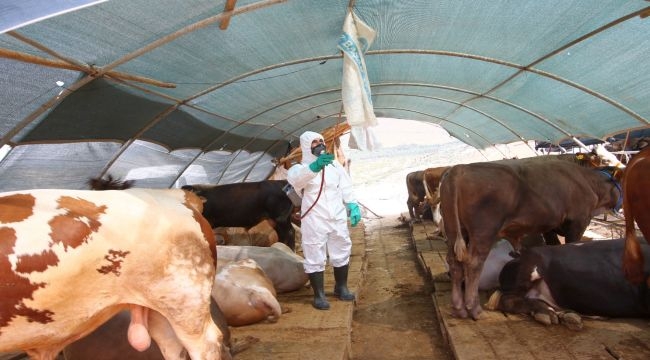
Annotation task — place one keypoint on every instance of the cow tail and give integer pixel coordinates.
(460, 247)
(632, 255)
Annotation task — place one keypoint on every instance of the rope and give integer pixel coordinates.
(322, 182)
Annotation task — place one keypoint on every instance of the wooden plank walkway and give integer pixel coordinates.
(506, 336)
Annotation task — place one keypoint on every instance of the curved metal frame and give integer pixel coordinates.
(97, 72)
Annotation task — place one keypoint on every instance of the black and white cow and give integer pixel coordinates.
(583, 277)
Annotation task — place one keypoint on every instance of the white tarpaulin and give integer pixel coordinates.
(355, 89)
(18, 13)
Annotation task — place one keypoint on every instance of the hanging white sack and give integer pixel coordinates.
(355, 88)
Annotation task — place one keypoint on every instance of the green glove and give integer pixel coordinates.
(323, 160)
(355, 213)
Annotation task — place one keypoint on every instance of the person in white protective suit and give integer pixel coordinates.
(326, 192)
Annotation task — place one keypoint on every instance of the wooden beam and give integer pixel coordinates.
(230, 6)
(645, 13)
(59, 64)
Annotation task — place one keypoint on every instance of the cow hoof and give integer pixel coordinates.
(571, 320)
(543, 318)
(459, 313)
(240, 345)
(476, 312)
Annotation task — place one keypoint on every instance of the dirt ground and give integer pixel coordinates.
(394, 317)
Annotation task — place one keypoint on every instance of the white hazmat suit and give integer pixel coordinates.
(324, 228)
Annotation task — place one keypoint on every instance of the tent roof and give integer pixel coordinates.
(155, 90)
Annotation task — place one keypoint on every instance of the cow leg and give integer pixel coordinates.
(410, 206)
(478, 252)
(195, 329)
(164, 336)
(575, 230)
(191, 334)
(518, 304)
(286, 233)
(456, 274)
(43, 354)
(551, 238)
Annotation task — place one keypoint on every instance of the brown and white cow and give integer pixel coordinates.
(243, 293)
(636, 207)
(483, 202)
(108, 342)
(71, 259)
(431, 180)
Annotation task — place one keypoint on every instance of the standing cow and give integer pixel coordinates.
(246, 204)
(71, 259)
(415, 189)
(243, 294)
(636, 207)
(483, 202)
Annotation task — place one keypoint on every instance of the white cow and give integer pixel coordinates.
(281, 265)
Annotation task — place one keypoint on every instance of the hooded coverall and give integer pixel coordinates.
(324, 228)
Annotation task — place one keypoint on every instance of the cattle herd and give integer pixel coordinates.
(146, 263)
(490, 213)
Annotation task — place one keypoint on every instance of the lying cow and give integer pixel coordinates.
(483, 202)
(246, 204)
(75, 258)
(584, 277)
(245, 294)
(262, 234)
(636, 207)
(501, 253)
(282, 266)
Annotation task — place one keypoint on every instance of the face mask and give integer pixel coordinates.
(318, 149)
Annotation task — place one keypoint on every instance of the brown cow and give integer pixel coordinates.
(636, 207)
(415, 189)
(483, 202)
(431, 180)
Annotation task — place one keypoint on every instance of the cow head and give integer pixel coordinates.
(606, 157)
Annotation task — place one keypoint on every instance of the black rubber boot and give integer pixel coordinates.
(341, 286)
(317, 281)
